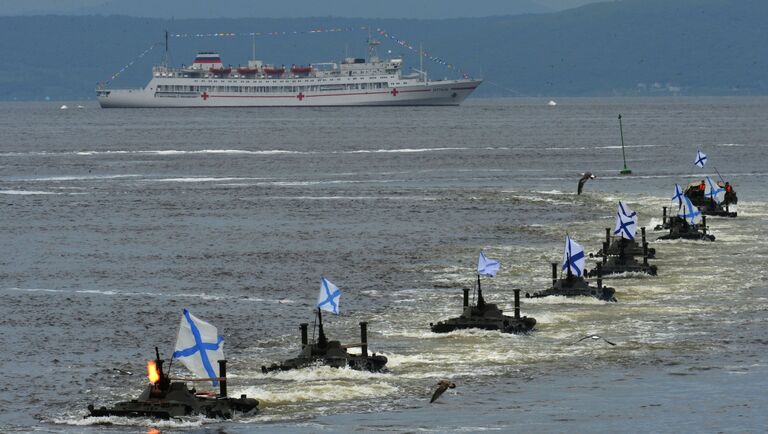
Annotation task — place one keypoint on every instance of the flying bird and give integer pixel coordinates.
(595, 338)
(442, 386)
(584, 178)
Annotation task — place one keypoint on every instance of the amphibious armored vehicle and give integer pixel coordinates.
(165, 399)
(486, 316)
(621, 257)
(679, 228)
(709, 206)
(630, 247)
(576, 286)
(331, 353)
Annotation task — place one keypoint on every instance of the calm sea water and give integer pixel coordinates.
(113, 221)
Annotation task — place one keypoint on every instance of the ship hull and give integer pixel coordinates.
(439, 93)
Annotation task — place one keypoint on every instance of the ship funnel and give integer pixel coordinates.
(364, 338)
(466, 296)
(608, 235)
(517, 303)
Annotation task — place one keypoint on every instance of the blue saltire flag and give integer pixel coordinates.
(329, 296)
(487, 267)
(573, 257)
(701, 158)
(626, 222)
(713, 190)
(690, 212)
(678, 196)
(199, 347)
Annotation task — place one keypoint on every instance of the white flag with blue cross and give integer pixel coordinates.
(701, 158)
(329, 296)
(573, 257)
(487, 267)
(626, 222)
(714, 191)
(678, 196)
(199, 347)
(690, 213)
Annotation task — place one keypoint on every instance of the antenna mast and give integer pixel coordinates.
(421, 62)
(372, 44)
(166, 56)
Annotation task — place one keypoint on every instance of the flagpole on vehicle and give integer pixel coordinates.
(718, 173)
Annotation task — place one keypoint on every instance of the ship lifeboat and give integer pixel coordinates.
(301, 69)
(247, 71)
(274, 71)
(220, 71)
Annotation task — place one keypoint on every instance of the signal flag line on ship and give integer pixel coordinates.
(129, 64)
(408, 45)
(279, 33)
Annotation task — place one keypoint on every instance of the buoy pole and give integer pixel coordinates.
(625, 170)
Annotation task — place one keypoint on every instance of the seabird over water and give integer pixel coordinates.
(584, 178)
(442, 386)
(595, 338)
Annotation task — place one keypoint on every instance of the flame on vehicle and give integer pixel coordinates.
(152, 372)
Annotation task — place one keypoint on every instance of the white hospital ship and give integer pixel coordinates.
(353, 82)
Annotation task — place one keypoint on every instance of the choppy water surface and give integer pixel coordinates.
(115, 220)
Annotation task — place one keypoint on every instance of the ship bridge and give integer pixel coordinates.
(360, 67)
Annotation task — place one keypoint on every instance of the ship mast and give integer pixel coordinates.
(372, 44)
(166, 55)
(421, 62)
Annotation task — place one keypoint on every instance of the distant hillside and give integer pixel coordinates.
(180, 9)
(646, 47)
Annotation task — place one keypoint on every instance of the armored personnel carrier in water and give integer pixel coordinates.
(165, 399)
(679, 228)
(709, 202)
(486, 316)
(576, 286)
(331, 353)
(620, 257)
(631, 247)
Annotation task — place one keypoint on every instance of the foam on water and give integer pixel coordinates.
(178, 423)
(316, 392)
(27, 192)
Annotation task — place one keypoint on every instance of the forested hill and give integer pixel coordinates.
(630, 47)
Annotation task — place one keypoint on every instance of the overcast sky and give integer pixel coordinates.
(293, 8)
